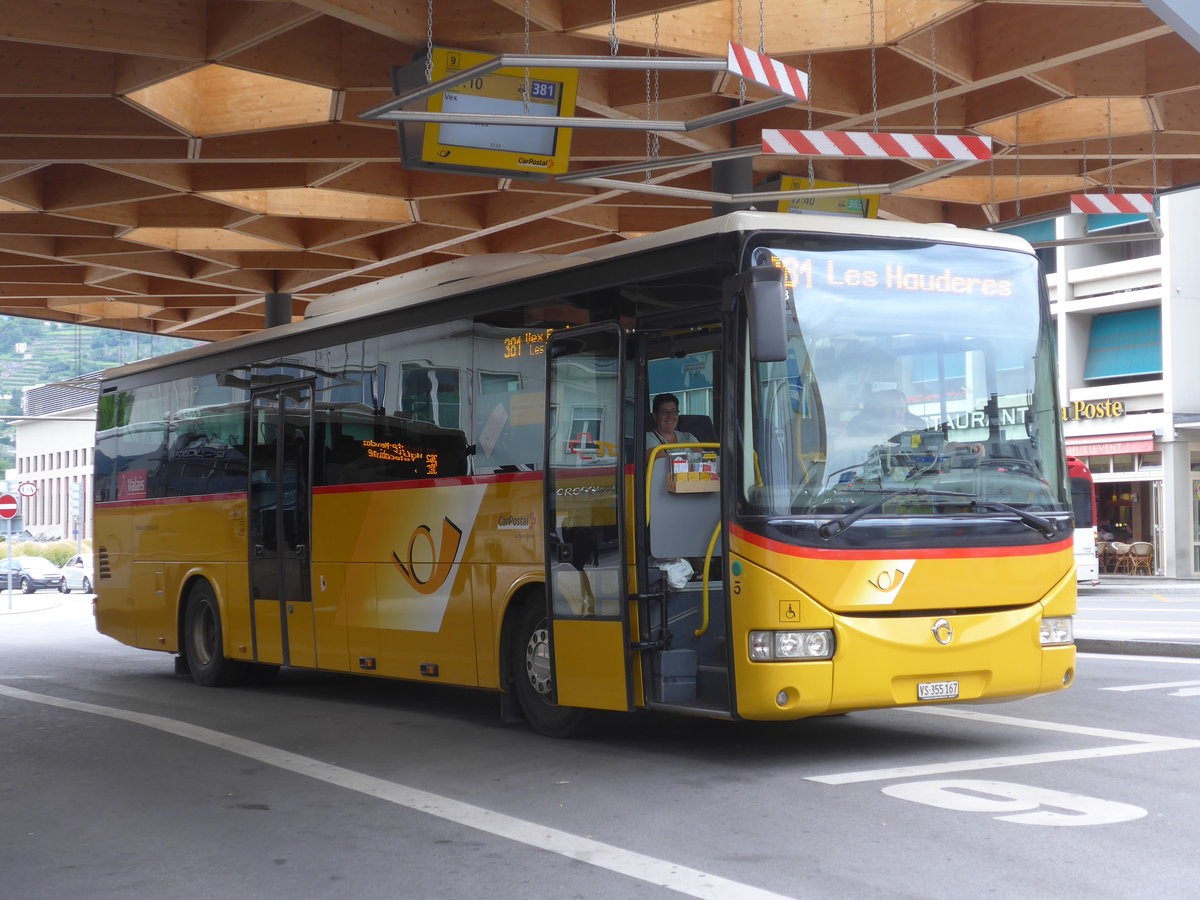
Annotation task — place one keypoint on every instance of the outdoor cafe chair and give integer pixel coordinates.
(1141, 558)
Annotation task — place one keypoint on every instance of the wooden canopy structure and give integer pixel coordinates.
(165, 164)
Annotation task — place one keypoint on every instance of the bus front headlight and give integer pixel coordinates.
(768, 646)
(1058, 630)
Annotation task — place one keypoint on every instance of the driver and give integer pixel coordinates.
(885, 413)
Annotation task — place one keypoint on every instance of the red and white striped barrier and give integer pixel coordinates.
(768, 72)
(1097, 204)
(876, 145)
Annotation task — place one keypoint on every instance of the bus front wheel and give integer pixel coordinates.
(202, 640)
(532, 675)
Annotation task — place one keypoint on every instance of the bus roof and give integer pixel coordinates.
(473, 273)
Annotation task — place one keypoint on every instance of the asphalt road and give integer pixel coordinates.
(118, 780)
(1142, 609)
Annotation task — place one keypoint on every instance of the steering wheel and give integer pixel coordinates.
(1003, 463)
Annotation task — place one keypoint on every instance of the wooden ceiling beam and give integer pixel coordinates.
(242, 176)
(325, 234)
(41, 224)
(400, 22)
(38, 70)
(166, 28)
(355, 251)
(332, 142)
(1008, 46)
(74, 187)
(309, 53)
(68, 117)
(285, 231)
(236, 27)
(88, 150)
(581, 14)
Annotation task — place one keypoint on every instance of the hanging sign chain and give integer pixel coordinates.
(808, 67)
(613, 42)
(429, 43)
(933, 70)
(652, 140)
(1108, 105)
(762, 29)
(741, 80)
(528, 87)
(874, 74)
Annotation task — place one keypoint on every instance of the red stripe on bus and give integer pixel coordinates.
(915, 553)
(449, 481)
(163, 501)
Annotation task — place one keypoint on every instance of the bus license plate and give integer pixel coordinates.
(937, 690)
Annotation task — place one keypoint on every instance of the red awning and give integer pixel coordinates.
(1110, 444)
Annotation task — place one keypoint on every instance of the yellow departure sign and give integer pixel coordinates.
(863, 206)
(518, 149)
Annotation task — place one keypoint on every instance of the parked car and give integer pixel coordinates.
(77, 575)
(30, 573)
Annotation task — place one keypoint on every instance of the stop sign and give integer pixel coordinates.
(8, 506)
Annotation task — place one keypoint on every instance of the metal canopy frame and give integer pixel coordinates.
(1155, 233)
(598, 178)
(391, 111)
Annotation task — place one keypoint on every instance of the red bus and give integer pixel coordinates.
(1083, 508)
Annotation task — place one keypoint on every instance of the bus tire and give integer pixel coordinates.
(532, 675)
(202, 640)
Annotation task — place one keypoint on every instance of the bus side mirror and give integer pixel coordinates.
(766, 308)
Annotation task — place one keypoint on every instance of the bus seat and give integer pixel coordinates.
(700, 426)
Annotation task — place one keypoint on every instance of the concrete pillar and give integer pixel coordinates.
(1175, 543)
(732, 176)
(279, 309)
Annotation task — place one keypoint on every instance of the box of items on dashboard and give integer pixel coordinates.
(693, 472)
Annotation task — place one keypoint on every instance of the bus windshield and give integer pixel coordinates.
(919, 380)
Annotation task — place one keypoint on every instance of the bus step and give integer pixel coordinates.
(674, 676)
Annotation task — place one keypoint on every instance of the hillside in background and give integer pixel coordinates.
(35, 352)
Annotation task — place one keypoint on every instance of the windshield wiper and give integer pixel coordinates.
(837, 526)
(1043, 526)
(1047, 528)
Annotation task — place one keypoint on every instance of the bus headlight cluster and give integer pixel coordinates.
(766, 646)
(1058, 630)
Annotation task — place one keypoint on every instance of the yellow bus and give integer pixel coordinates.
(448, 476)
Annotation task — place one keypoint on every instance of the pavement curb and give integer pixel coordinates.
(25, 604)
(1137, 648)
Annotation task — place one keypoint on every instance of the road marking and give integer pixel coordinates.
(1129, 657)
(1162, 685)
(1137, 743)
(1020, 803)
(1135, 609)
(685, 880)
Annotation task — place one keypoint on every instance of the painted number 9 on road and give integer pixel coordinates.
(1020, 803)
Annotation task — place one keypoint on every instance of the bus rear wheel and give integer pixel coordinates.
(532, 675)
(202, 640)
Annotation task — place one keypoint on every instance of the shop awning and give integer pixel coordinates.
(1111, 444)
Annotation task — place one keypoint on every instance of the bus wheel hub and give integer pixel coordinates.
(537, 660)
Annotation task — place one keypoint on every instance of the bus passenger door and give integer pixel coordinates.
(280, 515)
(584, 522)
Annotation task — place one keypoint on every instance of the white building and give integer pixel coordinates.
(55, 450)
(1128, 317)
